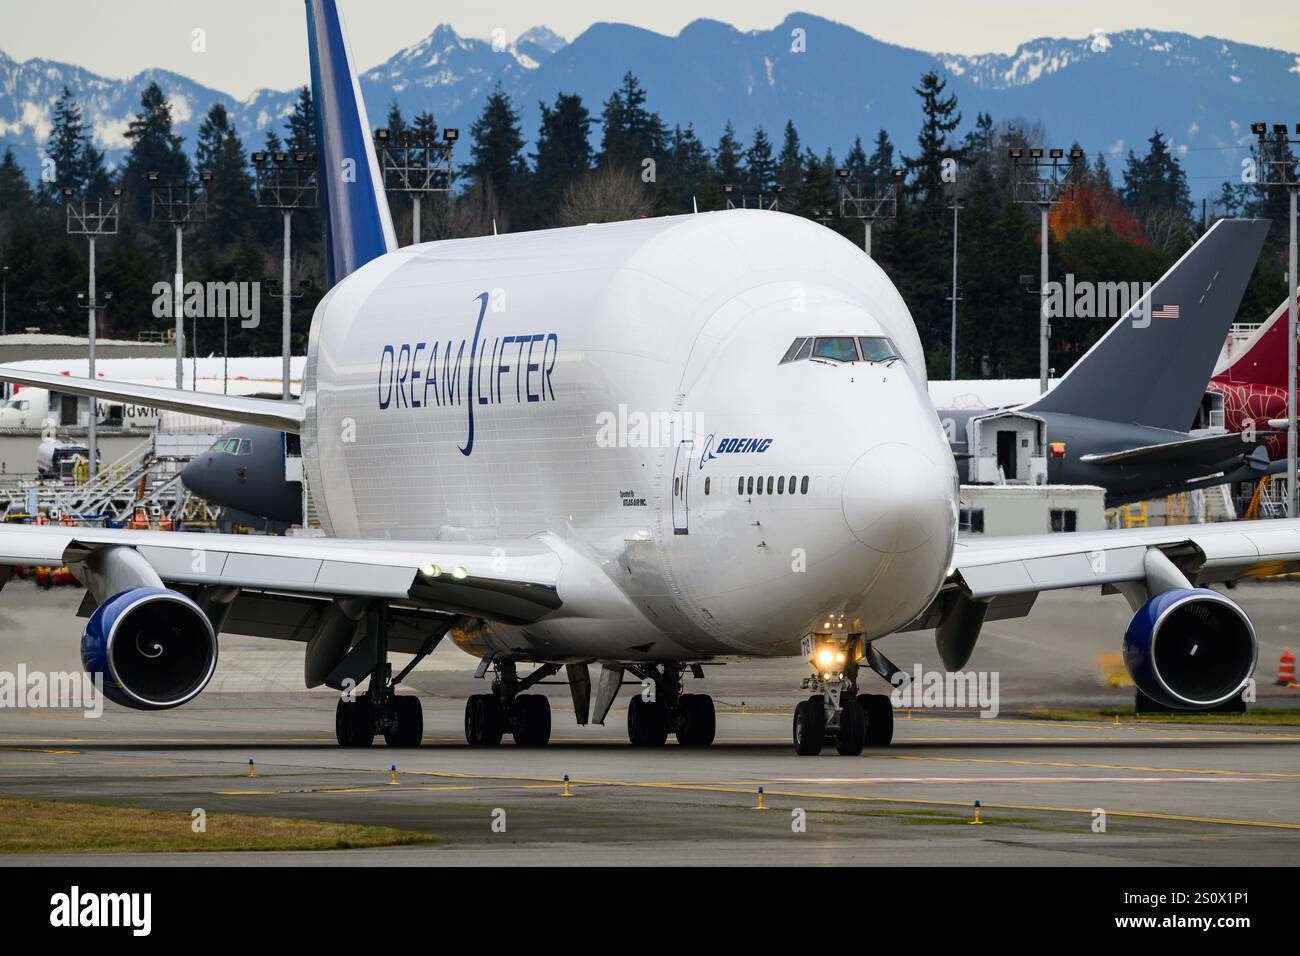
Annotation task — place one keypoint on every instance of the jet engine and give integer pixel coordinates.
(1190, 649)
(154, 646)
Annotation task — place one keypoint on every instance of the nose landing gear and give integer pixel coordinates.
(835, 711)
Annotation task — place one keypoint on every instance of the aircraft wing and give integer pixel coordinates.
(1207, 449)
(1006, 574)
(282, 416)
(513, 581)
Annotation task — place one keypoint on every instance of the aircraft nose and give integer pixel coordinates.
(897, 500)
(194, 476)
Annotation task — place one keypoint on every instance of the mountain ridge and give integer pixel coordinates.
(1202, 91)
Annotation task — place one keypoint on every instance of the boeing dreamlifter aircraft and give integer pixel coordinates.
(455, 426)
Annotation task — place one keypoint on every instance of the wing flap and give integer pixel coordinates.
(511, 581)
(282, 416)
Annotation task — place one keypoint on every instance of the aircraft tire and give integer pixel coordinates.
(852, 734)
(532, 720)
(698, 723)
(647, 722)
(354, 722)
(410, 723)
(484, 721)
(809, 727)
(879, 711)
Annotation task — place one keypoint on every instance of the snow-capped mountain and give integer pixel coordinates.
(1106, 91)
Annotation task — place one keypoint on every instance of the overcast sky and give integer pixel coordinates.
(256, 43)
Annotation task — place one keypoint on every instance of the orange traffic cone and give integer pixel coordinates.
(1286, 668)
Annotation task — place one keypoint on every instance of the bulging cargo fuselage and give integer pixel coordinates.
(621, 389)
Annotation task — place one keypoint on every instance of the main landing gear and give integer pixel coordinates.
(835, 711)
(359, 717)
(507, 708)
(650, 716)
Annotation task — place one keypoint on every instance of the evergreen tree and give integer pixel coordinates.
(881, 162)
(154, 148)
(77, 164)
(395, 124)
(817, 191)
(1155, 189)
(273, 143)
(728, 159)
(925, 169)
(789, 163)
(760, 167)
(1101, 177)
(690, 181)
(563, 155)
(15, 193)
(1157, 179)
(425, 123)
(232, 207)
(631, 133)
(497, 149)
(856, 163)
(301, 126)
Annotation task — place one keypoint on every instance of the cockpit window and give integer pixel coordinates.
(842, 348)
(233, 446)
(793, 352)
(877, 348)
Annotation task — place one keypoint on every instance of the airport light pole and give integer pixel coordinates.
(179, 204)
(4, 302)
(871, 202)
(285, 181)
(729, 194)
(824, 216)
(1044, 182)
(955, 198)
(1279, 170)
(414, 162)
(91, 221)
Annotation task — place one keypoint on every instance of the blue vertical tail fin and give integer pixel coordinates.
(358, 226)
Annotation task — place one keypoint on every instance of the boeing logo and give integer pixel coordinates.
(424, 374)
(732, 446)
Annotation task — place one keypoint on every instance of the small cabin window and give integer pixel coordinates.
(803, 486)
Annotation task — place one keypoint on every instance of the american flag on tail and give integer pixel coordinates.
(1165, 312)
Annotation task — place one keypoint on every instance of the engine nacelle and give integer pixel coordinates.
(155, 647)
(1190, 649)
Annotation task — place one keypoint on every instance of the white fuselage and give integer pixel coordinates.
(620, 388)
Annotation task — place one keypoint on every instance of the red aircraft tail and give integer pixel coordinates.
(1261, 359)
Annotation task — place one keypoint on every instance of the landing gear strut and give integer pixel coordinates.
(690, 716)
(358, 718)
(507, 708)
(836, 711)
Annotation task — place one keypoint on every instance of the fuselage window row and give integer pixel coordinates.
(769, 485)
